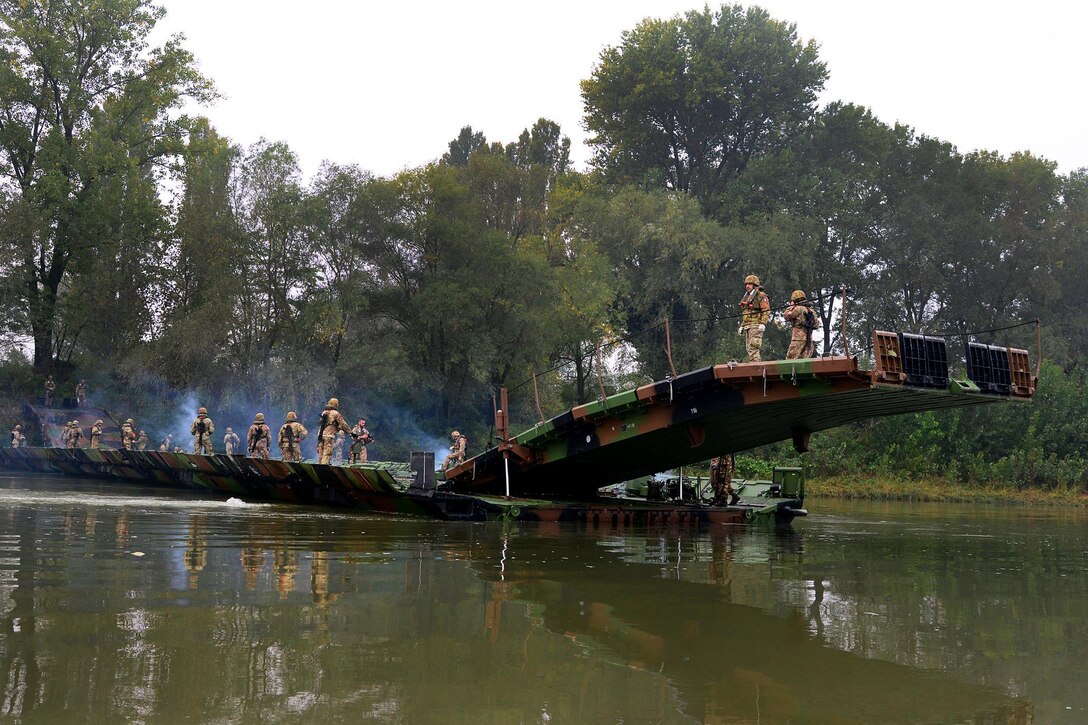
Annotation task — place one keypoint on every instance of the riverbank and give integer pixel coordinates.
(937, 490)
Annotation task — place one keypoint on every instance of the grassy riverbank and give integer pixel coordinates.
(937, 489)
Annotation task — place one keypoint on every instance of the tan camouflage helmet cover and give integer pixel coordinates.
(202, 411)
(291, 416)
(751, 279)
(259, 417)
(797, 296)
(333, 403)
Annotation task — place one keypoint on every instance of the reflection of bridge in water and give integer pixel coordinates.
(733, 407)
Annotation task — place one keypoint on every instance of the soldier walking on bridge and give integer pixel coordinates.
(232, 444)
(202, 429)
(128, 434)
(167, 443)
(81, 393)
(804, 320)
(755, 314)
(18, 440)
(292, 433)
(360, 436)
(258, 439)
(331, 423)
(50, 388)
(73, 436)
(96, 434)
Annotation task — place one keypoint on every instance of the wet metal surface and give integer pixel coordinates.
(123, 604)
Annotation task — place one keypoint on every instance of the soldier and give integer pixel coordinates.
(18, 440)
(258, 438)
(167, 443)
(292, 433)
(96, 434)
(338, 449)
(331, 423)
(128, 434)
(231, 442)
(142, 441)
(81, 393)
(804, 320)
(721, 480)
(202, 429)
(74, 435)
(457, 451)
(50, 388)
(360, 436)
(755, 314)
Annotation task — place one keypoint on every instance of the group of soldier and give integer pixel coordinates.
(51, 389)
(755, 309)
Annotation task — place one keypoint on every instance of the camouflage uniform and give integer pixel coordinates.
(232, 444)
(202, 429)
(721, 480)
(81, 393)
(167, 442)
(18, 440)
(128, 435)
(755, 314)
(804, 320)
(96, 435)
(360, 436)
(331, 423)
(259, 437)
(457, 451)
(292, 433)
(142, 441)
(50, 388)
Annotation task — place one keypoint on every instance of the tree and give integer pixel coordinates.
(687, 103)
(83, 98)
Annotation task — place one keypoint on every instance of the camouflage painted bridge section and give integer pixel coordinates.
(699, 415)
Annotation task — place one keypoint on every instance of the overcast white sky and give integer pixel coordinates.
(386, 85)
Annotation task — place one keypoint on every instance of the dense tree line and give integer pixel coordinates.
(159, 260)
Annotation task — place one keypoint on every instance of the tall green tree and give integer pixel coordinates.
(687, 103)
(83, 97)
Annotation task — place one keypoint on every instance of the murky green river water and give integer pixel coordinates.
(119, 604)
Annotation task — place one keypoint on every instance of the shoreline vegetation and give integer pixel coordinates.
(937, 490)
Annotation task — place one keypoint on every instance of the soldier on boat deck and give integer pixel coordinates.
(128, 434)
(50, 388)
(360, 437)
(755, 314)
(18, 440)
(81, 393)
(721, 480)
(231, 442)
(167, 443)
(803, 319)
(292, 433)
(96, 434)
(259, 437)
(202, 429)
(457, 451)
(331, 423)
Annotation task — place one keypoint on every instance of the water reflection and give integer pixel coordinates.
(268, 613)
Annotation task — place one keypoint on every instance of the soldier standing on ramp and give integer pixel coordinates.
(804, 320)
(128, 434)
(292, 433)
(168, 441)
(202, 429)
(755, 314)
(331, 423)
(360, 436)
(96, 434)
(231, 442)
(50, 388)
(259, 437)
(81, 393)
(18, 440)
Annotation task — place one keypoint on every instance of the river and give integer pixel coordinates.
(119, 603)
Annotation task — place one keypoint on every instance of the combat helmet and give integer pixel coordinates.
(291, 417)
(229, 429)
(259, 417)
(333, 403)
(99, 422)
(798, 295)
(752, 279)
(18, 427)
(202, 411)
(455, 435)
(130, 421)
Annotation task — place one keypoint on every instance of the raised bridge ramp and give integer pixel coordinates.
(733, 407)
